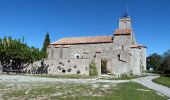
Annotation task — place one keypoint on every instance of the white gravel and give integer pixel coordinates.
(27, 79)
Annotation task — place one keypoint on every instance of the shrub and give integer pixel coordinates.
(92, 68)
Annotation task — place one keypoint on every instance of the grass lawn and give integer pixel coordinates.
(70, 91)
(164, 80)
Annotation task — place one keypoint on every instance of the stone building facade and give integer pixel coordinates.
(123, 54)
(0, 68)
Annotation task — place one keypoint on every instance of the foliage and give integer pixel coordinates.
(104, 66)
(93, 69)
(14, 53)
(165, 66)
(154, 61)
(46, 42)
(164, 80)
(161, 62)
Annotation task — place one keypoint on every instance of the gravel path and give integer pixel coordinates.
(147, 81)
(20, 79)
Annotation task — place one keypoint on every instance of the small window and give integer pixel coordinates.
(118, 56)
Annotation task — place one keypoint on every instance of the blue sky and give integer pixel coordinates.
(68, 18)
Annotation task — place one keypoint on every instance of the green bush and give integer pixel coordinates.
(93, 69)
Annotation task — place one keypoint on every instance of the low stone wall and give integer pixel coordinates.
(70, 66)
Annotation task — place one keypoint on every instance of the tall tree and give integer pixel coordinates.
(14, 54)
(165, 66)
(46, 42)
(154, 61)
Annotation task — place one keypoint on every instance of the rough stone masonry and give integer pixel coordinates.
(0, 68)
(121, 51)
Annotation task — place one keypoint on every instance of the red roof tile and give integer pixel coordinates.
(63, 46)
(84, 40)
(122, 32)
(138, 46)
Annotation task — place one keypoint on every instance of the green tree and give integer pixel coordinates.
(154, 60)
(15, 54)
(46, 42)
(165, 66)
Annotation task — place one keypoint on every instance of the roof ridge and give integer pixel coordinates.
(86, 36)
(87, 39)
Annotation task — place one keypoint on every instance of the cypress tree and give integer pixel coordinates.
(46, 42)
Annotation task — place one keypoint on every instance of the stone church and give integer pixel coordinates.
(123, 55)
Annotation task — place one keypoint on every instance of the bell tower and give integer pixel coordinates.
(123, 36)
(125, 21)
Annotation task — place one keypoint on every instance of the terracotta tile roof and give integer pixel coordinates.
(138, 46)
(122, 32)
(84, 40)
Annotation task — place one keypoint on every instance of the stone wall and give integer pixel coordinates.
(124, 23)
(138, 60)
(84, 51)
(0, 68)
(121, 65)
(135, 62)
(143, 58)
(122, 42)
(115, 65)
(70, 66)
